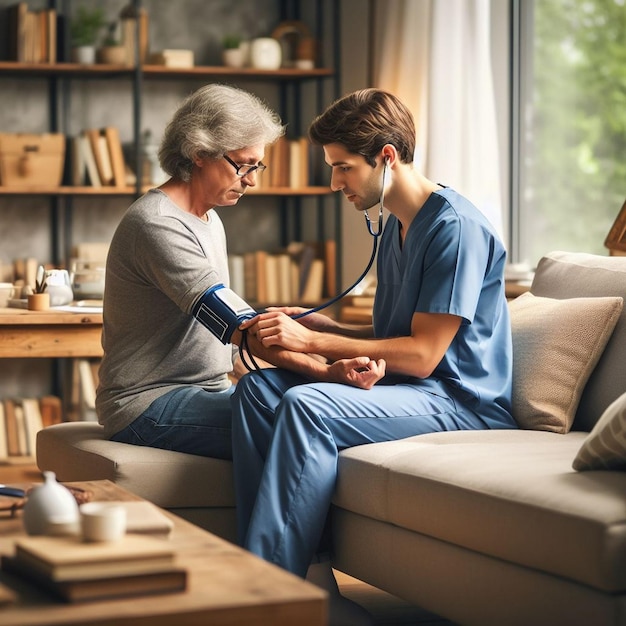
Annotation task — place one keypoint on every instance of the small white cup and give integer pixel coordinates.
(102, 521)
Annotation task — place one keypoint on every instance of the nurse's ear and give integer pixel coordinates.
(389, 155)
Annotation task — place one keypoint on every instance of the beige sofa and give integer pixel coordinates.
(487, 527)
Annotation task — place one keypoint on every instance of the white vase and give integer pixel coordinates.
(51, 509)
(85, 55)
(265, 53)
(233, 57)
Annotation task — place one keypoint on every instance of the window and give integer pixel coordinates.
(569, 177)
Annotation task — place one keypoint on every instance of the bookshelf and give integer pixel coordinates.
(63, 214)
(289, 82)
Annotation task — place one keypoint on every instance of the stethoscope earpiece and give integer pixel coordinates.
(381, 202)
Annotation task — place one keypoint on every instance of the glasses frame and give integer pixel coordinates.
(261, 167)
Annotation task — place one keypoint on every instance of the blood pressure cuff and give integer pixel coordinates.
(221, 310)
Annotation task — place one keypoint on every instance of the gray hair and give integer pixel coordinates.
(214, 120)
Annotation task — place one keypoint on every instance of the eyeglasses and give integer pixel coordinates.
(244, 170)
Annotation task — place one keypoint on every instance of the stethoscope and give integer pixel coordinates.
(375, 232)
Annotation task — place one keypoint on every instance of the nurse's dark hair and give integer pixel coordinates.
(363, 122)
(214, 120)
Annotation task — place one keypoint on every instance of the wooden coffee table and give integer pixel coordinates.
(226, 586)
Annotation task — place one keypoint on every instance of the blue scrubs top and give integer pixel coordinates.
(452, 261)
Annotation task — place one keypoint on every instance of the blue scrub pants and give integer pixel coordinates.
(187, 419)
(287, 433)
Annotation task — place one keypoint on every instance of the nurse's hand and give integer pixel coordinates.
(274, 328)
(314, 321)
(360, 372)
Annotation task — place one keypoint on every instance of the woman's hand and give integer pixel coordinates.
(360, 372)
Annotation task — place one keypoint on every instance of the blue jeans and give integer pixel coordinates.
(188, 419)
(286, 440)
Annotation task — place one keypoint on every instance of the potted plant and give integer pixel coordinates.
(111, 51)
(233, 53)
(84, 30)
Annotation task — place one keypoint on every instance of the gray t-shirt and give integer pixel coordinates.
(161, 260)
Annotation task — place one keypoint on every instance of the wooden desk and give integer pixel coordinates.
(51, 334)
(226, 586)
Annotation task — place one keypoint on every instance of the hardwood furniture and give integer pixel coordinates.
(226, 586)
(49, 334)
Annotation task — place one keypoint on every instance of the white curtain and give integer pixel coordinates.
(435, 55)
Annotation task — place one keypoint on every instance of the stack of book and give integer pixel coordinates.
(32, 35)
(97, 158)
(288, 164)
(302, 273)
(20, 421)
(77, 571)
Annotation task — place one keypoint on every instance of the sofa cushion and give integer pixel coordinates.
(556, 345)
(78, 451)
(605, 446)
(573, 275)
(509, 494)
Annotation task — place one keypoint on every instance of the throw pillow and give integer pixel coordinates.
(556, 345)
(605, 446)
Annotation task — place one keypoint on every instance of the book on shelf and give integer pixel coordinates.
(330, 266)
(314, 285)
(295, 274)
(306, 256)
(285, 293)
(71, 558)
(298, 162)
(31, 35)
(33, 423)
(173, 58)
(288, 163)
(118, 165)
(169, 580)
(4, 448)
(93, 176)
(78, 165)
(20, 425)
(20, 421)
(86, 390)
(236, 272)
(17, 31)
(100, 149)
(249, 277)
(51, 410)
(260, 264)
(13, 444)
(270, 269)
(128, 27)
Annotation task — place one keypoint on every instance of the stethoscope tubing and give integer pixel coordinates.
(252, 366)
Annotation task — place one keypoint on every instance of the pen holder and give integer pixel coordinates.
(38, 301)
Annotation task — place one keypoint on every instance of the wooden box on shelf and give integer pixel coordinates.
(29, 161)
